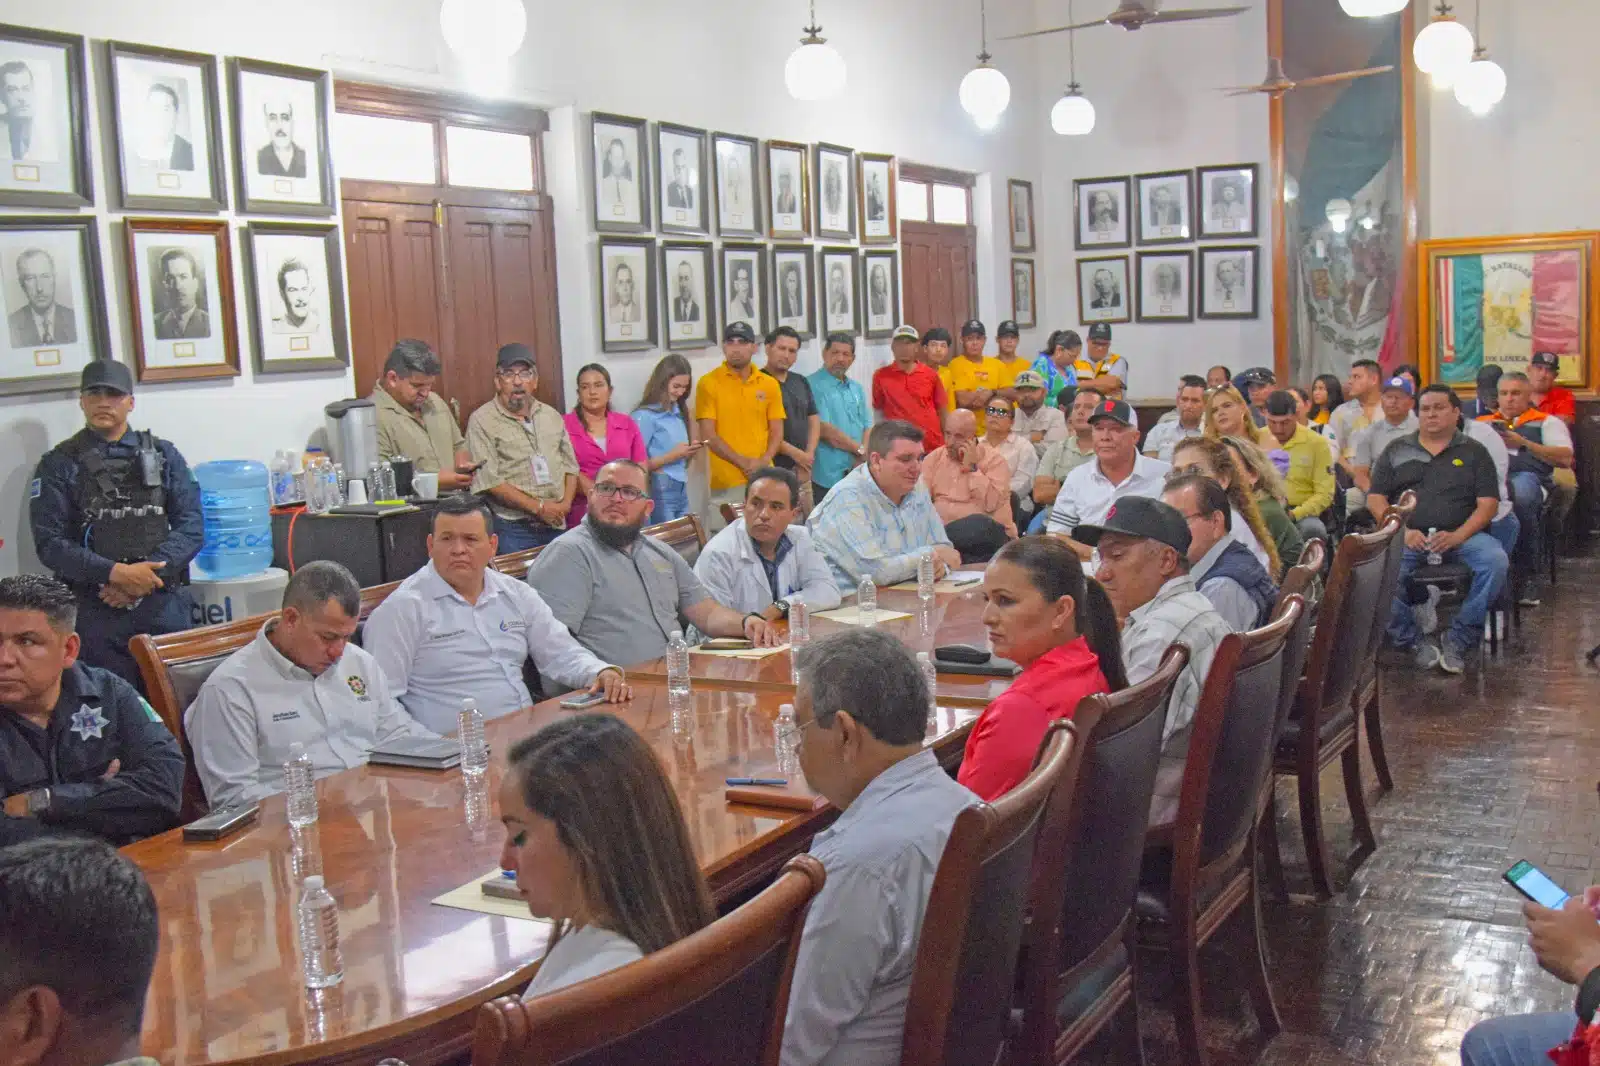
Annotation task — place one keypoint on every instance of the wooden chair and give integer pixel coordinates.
(732, 512)
(1204, 872)
(716, 997)
(1324, 724)
(1078, 962)
(959, 1009)
(516, 564)
(685, 535)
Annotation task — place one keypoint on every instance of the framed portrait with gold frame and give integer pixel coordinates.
(1498, 300)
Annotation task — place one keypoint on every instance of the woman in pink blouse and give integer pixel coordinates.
(598, 434)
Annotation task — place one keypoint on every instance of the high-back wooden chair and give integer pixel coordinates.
(959, 1009)
(1302, 576)
(516, 564)
(716, 998)
(1197, 878)
(1077, 971)
(732, 512)
(1369, 692)
(685, 535)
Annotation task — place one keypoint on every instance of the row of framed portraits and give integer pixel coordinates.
(1164, 287)
(1169, 207)
(180, 295)
(165, 128)
(706, 181)
(680, 293)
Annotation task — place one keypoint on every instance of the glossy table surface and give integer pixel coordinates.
(228, 986)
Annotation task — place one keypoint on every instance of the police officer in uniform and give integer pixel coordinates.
(116, 516)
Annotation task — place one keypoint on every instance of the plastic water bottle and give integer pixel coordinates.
(474, 749)
(297, 477)
(925, 579)
(799, 635)
(1434, 558)
(316, 488)
(332, 485)
(282, 479)
(783, 738)
(319, 935)
(387, 490)
(236, 515)
(343, 481)
(866, 601)
(677, 664)
(301, 784)
(930, 674)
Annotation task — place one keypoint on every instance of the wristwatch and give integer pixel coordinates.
(783, 608)
(1588, 1000)
(38, 801)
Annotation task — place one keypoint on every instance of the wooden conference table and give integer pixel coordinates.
(228, 988)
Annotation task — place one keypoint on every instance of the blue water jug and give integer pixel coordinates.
(238, 520)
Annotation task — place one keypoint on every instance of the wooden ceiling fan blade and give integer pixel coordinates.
(1193, 14)
(1057, 29)
(1349, 75)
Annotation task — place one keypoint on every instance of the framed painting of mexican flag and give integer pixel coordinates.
(1499, 300)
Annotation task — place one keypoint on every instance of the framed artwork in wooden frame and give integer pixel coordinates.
(836, 208)
(788, 190)
(180, 292)
(744, 285)
(681, 162)
(297, 310)
(1102, 213)
(43, 101)
(1166, 286)
(627, 308)
(792, 305)
(1165, 207)
(1024, 294)
(1229, 285)
(54, 301)
(620, 157)
(880, 297)
(737, 180)
(1227, 201)
(876, 193)
(1105, 293)
(689, 290)
(1019, 200)
(282, 165)
(839, 288)
(166, 125)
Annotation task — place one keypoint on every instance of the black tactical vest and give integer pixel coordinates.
(122, 498)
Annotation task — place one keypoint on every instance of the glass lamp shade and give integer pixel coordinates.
(1481, 86)
(1444, 47)
(1073, 115)
(1338, 212)
(985, 94)
(815, 71)
(1370, 9)
(483, 30)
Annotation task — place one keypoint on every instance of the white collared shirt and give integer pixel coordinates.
(1087, 494)
(437, 649)
(257, 703)
(1485, 435)
(733, 573)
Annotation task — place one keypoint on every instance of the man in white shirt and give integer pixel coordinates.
(1118, 470)
(765, 562)
(861, 708)
(460, 629)
(300, 681)
(1185, 423)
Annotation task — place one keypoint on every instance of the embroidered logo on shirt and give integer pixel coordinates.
(88, 722)
(1457, 462)
(515, 623)
(357, 685)
(761, 396)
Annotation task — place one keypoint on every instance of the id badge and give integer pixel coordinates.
(541, 470)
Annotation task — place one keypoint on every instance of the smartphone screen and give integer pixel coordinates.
(584, 700)
(1532, 882)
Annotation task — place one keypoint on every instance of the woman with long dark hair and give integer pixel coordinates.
(597, 842)
(1059, 626)
(669, 436)
(1265, 485)
(598, 434)
(1327, 393)
(1211, 457)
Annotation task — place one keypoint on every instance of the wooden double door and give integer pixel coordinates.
(939, 269)
(465, 270)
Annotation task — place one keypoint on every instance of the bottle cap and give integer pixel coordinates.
(677, 634)
(469, 704)
(296, 749)
(313, 882)
(922, 656)
(786, 709)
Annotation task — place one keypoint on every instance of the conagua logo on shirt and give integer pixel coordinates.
(515, 623)
(358, 685)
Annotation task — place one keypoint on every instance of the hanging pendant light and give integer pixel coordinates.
(1483, 83)
(1371, 9)
(483, 30)
(985, 93)
(1443, 48)
(815, 70)
(1338, 212)
(1073, 115)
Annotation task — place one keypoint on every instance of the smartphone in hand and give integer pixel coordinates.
(1536, 885)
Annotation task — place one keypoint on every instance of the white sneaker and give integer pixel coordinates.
(1427, 614)
(1426, 655)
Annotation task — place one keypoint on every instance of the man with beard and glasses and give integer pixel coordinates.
(622, 594)
(528, 469)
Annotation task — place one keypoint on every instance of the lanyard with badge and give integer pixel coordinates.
(538, 465)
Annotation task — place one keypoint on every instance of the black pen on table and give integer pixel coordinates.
(776, 782)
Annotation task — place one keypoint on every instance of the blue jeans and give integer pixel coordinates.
(671, 497)
(1527, 499)
(523, 533)
(1039, 520)
(1516, 1040)
(1505, 531)
(1487, 560)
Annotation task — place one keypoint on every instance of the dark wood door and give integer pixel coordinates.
(939, 266)
(395, 289)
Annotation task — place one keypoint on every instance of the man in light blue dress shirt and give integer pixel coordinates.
(762, 562)
(861, 707)
(842, 403)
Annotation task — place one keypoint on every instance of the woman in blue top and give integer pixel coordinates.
(663, 418)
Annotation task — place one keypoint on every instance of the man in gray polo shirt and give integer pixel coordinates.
(622, 594)
(1398, 420)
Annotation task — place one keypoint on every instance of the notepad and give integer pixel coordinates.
(849, 615)
(743, 653)
(955, 581)
(422, 753)
(470, 897)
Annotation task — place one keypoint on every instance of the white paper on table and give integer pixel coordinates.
(741, 653)
(955, 581)
(850, 615)
(470, 897)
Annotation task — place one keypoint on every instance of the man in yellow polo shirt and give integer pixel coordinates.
(975, 377)
(1099, 366)
(936, 353)
(1006, 338)
(1309, 484)
(740, 411)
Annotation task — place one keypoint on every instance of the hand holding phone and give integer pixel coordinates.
(1536, 885)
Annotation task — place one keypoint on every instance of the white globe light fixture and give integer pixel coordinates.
(1371, 9)
(1291, 189)
(1481, 85)
(985, 93)
(1338, 212)
(1073, 115)
(815, 70)
(483, 30)
(1444, 48)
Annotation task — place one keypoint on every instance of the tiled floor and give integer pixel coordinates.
(1426, 939)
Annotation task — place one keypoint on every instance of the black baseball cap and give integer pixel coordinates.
(1117, 409)
(512, 354)
(1008, 328)
(1140, 516)
(1257, 375)
(1100, 331)
(937, 333)
(106, 374)
(739, 331)
(973, 328)
(1548, 360)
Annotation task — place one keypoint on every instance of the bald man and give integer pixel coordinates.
(970, 483)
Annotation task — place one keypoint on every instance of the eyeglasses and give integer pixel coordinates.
(519, 375)
(626, 492)
(999, 412)
(798, 734)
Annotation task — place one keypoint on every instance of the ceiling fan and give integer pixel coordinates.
(1134, 14)
(1277, 83)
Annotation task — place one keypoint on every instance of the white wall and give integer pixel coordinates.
(711, 63)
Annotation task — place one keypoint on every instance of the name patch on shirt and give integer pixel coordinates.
(358, 685)
(446, 635)
(285, 716)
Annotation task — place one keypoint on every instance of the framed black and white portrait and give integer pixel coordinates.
(838, 286)
(1024, 294)
(1019, 197)
(1165, 206)
(167, 124)
(180, 286)
(681, 162)
(788, 195)
(280, 130)
(1166, 286)
(1229, 281)
(1227, 201)
(54, 301)
(880, 293)
(689, 293)
(836, 208)
(737, 161)
(876, 187)
(1104, 294)
(296, 297)
(45, 150)
(791, 288)
(744, 285)
(1102, 213)
(621, 173)
(627, 294)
